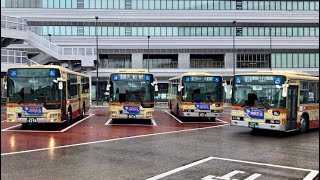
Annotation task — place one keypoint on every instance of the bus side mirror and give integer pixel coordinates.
(60, 85)
(231, 80)
(224, 84)
(5, 82)
(180, 88)
(107, 93)
(285, 90)
(156, 88)
(108, 87)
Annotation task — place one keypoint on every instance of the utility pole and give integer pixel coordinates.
(97, 63)
(234, 47)
(148, 53)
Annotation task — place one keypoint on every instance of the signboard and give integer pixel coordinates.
(131, 110)
(215, 79)
(32, 110)
(140, 77)
(254, 113)
(29, 72)
(202, 107)
(259, 80)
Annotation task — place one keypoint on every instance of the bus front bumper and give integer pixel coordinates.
(38, 120)
(276, 127)
(126, 116)
(198, 114)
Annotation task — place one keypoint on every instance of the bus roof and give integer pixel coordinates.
(63, 69)
(297, 75)
(133, 71)
(193, 74)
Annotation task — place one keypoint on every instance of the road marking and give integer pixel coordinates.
(110, 140)
(4, 121)
(65, 129)
(10, 127)
(108, 123)
(180, 169)
(195, 122)
(174, 117)
(310, 176)
(36, 131)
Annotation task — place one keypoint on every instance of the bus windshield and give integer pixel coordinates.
(202, 92)
(266, 96)
(27, 85)
(131, 91)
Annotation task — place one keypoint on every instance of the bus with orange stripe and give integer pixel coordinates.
(46, 94)
(131, 94)
(275, 100)
(196, 95)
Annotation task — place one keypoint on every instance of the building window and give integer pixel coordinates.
(115, 61)
(295, 60)
(253, 61)
(206, 61)
(160, 61)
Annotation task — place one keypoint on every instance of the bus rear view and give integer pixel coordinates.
(131, 95)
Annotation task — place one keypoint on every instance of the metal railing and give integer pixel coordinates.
(9, 22)
(79, 51)
(44, 42)
(14, 56)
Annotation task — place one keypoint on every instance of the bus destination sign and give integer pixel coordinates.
(139, 77)
(259, 79)
(215, 79)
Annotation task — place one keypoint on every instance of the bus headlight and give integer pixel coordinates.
(149, 113)
(114, 112)
(237, 118)
(53, 115)
(276, 113)
(271, 121)
(10, 116)
(217, 105)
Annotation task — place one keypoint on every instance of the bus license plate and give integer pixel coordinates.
(202, 114)
(253, 125)
(131, 116)
(32, 120)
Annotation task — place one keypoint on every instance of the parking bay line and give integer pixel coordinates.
(195, 122)
(310, 176)
(37, 131)
(110, 140)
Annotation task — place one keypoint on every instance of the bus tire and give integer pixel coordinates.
(69, 116)
(83, 111)
(212, 119)
(24, 125)
(304, 124)
(177, 112)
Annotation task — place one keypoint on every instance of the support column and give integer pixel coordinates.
(137, 61)
(228, 61)
(184, 61)
(70, 66)
(90, 82)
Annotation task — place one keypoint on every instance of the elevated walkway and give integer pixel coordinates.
(14, 30)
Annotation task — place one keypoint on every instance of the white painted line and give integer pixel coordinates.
(222, 120)
(11, 127)
(4, 121)
(153, 122)
(310, 176)
(174, 117)
(110, 140)
(65, 129)
(107, 123)
(179, 169)
(39, 131)
(226, 113)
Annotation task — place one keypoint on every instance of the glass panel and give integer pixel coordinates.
(256, 5)
(289, 5)
(250, 31)
(317, 60)
(104, 4)
(216, 4)
(261, 31)
(245, 5)
(169, 4)
(74, 4)
(157, 4)
(187, 31)
(300, 5)
(157, 31)
(116, 31)
(228, 31)
(306, 60)
(62, 30)
(86, 31)
(169, 31)
(295, 61)
(210, 31)
(273, 60)
(216, 31)
(266, 5)
(300, 32)
(294, 31)
(98, 4)
(62, 3)
(301, 59)
(175, 4)
(283, 31)
(261, 5)
(116, 4)
(140, 4)
(204, 4)
(222, 5)
(289, 31)
(317, 31)
(294, 5)
(86, 4)
(317, 6)
(283, 60)
(93, 4)
(306, 5)
(175, 31)
(110, 4)
(306, 31)
(104, 31)
(122, 31)
(151, 4)
(110, 31)
(193, 31)
(204, 31)
(312, 60)
(283, 5)
(272, 5)
(278, 60)
(244, 31)
(163, 4)
(250, 5)
(289, 60)
(312, 31)
(151, 31)
(140, 31)
(181, 4)
(181, 31)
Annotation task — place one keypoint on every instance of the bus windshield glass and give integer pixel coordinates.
(33, 85)
(258, 91)
(131, 88)
(202, 89)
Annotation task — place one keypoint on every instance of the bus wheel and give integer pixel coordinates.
(69, 117)
(83, 111)
(213, 119)
(303, 124)
(25, 126)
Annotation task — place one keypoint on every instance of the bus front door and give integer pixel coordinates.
(292, 106)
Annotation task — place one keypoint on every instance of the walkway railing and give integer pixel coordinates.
(14, 56)
(9, 22)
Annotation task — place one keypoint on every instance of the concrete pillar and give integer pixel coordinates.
(90, 82)
(70, 66)
(137, 61)
(184, 61)
(228, 60)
